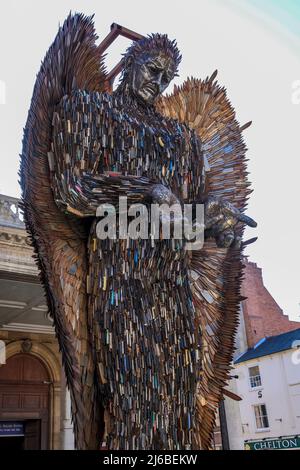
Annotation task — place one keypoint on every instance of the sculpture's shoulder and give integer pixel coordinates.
(86, 100)
(90, 108)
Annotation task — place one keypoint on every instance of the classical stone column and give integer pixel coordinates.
(67, 436)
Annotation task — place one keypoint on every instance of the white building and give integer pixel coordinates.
(267, 378)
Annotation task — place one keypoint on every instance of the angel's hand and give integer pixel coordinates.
(170, 208)
(160, 194)
(220, 219)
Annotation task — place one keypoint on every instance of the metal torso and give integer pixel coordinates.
(140, 302)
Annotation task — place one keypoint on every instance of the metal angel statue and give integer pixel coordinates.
(146, 328)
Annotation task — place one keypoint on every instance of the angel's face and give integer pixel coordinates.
(150, 76)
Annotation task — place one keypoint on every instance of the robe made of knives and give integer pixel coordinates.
(148, 348)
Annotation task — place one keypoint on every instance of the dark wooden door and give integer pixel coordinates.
(32, 434)
(24, 395)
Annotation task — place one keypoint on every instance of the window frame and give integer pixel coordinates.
(263, 429)
(257, 387)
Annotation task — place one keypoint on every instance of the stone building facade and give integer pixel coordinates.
(34, 400)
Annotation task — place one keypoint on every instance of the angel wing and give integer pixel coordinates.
(217, 272)
(73, 61)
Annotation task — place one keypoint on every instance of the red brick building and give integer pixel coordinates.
(262, 315)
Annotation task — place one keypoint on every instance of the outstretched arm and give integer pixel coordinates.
(220, 219)
(83, 140)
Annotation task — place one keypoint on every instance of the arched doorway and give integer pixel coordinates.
(24, 403)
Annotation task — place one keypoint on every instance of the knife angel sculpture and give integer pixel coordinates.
(145, 327)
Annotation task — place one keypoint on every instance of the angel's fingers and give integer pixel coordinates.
(247, 220)
(238, 215)
(249, 241)
(211, 221)
(225, 239)
(226, 224)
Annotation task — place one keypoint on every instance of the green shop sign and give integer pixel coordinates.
(274, 444)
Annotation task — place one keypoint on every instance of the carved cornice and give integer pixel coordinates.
(18, 239)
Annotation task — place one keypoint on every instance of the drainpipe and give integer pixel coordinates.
(223, 426)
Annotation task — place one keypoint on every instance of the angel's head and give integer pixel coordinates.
(149, 66)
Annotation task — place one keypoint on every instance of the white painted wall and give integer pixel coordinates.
(232, 409)
(280, 392)
(66, 427)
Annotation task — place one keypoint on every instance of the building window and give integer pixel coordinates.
(261, 417)
(254, 375)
